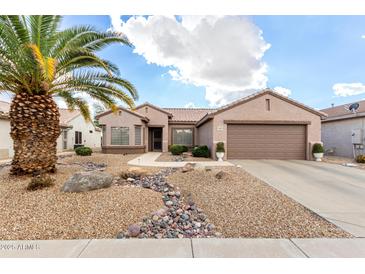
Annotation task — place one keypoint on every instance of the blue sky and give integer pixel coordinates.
(307, 55)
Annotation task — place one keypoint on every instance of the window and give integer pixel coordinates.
(182, 136)
(78, 137)
(268, 104)
(120, 136)
(137, 135)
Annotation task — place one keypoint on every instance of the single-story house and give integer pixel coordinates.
(343, 130)
(265, 125)
(74, 131)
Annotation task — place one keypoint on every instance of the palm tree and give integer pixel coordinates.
(39, 62)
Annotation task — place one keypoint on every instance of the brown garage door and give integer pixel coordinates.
(266, 142)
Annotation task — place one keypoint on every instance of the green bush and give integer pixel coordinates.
(177, 149)
(83, 151)
(220, 147)
(201, 151)
(40, 181)
(185, 149)
(317, 148)
(360, 159)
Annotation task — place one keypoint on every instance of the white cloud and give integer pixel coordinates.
(221, 53)
(190, 105)
(115, 22)
(348, 89)
(283, 91)
(363, 36)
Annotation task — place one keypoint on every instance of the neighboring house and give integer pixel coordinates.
(343, 130)
(264, 125)
(74, 131)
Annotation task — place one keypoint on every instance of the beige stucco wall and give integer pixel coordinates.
(256, 110)
(6, 143)
(121, 119)
(156, 119)
(205, 134)
(337, 134)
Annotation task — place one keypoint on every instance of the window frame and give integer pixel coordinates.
(121, 136)
(182, 128)
(139, 143)
(78, 137)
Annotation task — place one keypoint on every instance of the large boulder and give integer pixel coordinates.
(86, 181)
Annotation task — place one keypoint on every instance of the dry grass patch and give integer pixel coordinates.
(51, 214)
(240, 205)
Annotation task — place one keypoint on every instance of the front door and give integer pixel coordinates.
(155, 138)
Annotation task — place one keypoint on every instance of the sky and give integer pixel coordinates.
(208, 61)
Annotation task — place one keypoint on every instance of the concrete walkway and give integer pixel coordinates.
(186, 248)
(334, 192)
(149, 159)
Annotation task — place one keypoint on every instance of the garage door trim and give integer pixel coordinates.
(251, 122)
(263, 122)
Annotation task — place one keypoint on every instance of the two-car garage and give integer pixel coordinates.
(265, 125)
(266, 141)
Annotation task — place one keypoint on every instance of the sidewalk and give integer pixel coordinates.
(149, 159)
(186, 248)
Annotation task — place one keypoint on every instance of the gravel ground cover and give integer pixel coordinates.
(52, 214)
(179, 218)
(168, 157)
(240, 205)
(341, 161)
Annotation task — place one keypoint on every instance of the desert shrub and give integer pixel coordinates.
(40, 181)
(176, 149)
(201, 151)
(360, 159)
(317, 148)
(185, 149)
(220, 147)
(83, 151)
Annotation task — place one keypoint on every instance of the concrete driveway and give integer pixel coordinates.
(335, 192)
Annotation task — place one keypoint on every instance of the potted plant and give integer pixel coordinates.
(317, 151)
(219, 151)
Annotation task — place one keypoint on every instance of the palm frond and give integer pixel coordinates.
(38, 58)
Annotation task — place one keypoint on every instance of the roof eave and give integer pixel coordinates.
(205, 119)
(155, 107)
(343, 117)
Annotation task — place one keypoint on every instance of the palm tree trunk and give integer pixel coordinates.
(35, 127)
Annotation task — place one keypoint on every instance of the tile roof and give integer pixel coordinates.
(342, 110)
(188, 114)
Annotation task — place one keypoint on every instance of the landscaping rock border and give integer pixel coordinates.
(177, 219)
